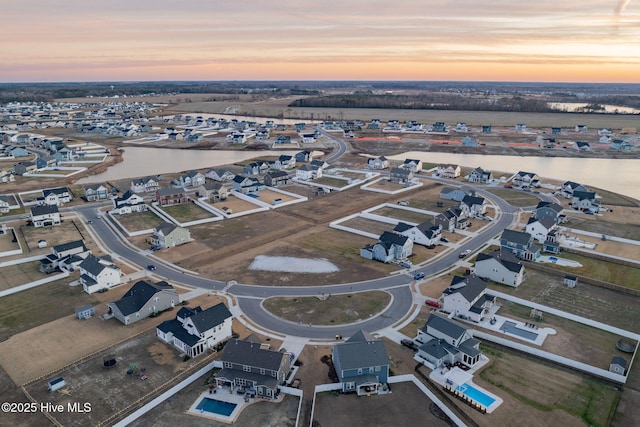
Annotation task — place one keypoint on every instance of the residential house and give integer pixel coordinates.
(540, 228)
(43, 216)
(171, 196)
(5, 206)
(501, 267)
(168, 235)
(487, 129)
(238, 137)
(521, 127)
(55, 196)
(246, 185)
(520, 244)
(95, 192)
(556, 130)
(479, 175)
(144, 185)
(23, 168)
(413, 165)
(220, 175)
(255, 168)
(448, 171)
(378, 163)
(401, 175)
(550, 210)
(249, 366)
(446, 342)
(304, 156)
(467, 298)
(7, 176)
(525, 179)
(276, 178)
(585, 201)
(361, 363)
(284, 162)
(473, 206)
(195, 331)
(569, 187)
(389, 247)
(282, 140)
(468, 141)
(452, 219)
(98, 273)
(456, 194)
(129, 202)
(190, 179)
(320, 164)
(213, 190)
(142, 300)
(582, 146)
(425, 234)
(461, 127)
(308, 172)
(65, 254)
(309, 138)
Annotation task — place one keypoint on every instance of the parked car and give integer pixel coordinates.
(418, 276)
(151, 267)
(405, 264)
(464, 253)
(433, 303)
(409, 344)
(444, 240)
(403, 203)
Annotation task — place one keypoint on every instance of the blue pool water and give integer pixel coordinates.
(216, 406)
(475, 394)
(255, 196)
(511, 328)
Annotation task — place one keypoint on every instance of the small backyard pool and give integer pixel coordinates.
(512, 328)
(475, 394)
(216, 406)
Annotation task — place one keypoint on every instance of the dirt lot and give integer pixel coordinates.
(404, 406)
(7, 242)
(186, 212)
(137, 221)
(235, 204)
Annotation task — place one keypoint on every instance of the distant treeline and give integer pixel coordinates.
(431, 101)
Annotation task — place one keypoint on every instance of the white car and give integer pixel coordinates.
(465, 253)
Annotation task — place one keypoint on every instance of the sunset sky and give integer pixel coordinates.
(503, 40)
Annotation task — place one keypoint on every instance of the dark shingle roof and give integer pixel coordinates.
(212, 316)
(44, 210)
(445, 326)
(63, 247)
(360, 351)
(393, 238)
(250, 354)
(138, 296)
(518, 237)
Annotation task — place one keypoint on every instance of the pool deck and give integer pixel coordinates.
(224, 394)
(459, 377)
(542, 333)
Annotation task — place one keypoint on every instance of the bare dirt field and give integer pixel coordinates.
(404, 406)
(138, 221)
(8, 243)
(68, 231)
(19, 274)
(268, 196)
(235, 204)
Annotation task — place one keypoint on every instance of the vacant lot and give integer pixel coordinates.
(329, 309)
(268, 196)
(19, 274)
(605, 225)
(404, 406)
(69, 231)
(403, 215)
(138, 221)
(368, 225)
(541, 394)
(235, 204)
(8, 242)
(332, 182)
(515, 197)
(593, 302)
(186, 212)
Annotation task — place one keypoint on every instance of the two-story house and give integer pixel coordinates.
(585, 201)
(127, 203)
(361, 363)
(168, 235)
(171, 196)
(525, 179)
(389, 247)
(43, 216)
(446, 342)
(142, 300)
(64, 254)
(276, 178)
(194, 330)
(413, 165)
(144, 185)
(425, 234)
(550, 210)
(520, 244)
(378, 163)
(401, 175)
(248, 365)
(308, 172)
(501, 267)
(220, 174)
(479, 175)
(95, 192)
(448, 171)
(467, 298)
(190, 179)
(452, 219)
(98, 273)
(246, 185)
(473, 206)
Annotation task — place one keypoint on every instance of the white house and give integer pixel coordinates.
(129, 202)
(501, 267)
(378, 163)
(55, 196)
(194, 330)
(390, 247)
(585, 201)
(308, 172)
(425, 234)
(42, 216)
(467, 298)
(220, 175)
(98, 273)
(445, 342)
(144, 185)
(479, 175)
(525, 179)
(473, 206)
(540, 228)
(448, 171)
(95, 192)
(413, 165)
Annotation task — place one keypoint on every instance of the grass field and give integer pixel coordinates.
(34, 307)
(621, 275)
(547, 387)
(515, 197)
(404, 215)
(19, 274)
(602, 226)
(368, 225)
(186, 212)
(333, 182)
(334, 310)
(137, 221)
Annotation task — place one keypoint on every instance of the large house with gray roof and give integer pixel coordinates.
(501, 267)
(445, 342)
(144, 185)
(43, 216)
(194, 330)
(253, 367)
(389, 247)
(64, 255)
(473, 206)
(98, 273)
(425, 234)
(551, 210)
(168, 235)
(585, 201)
(520, 244)
(361, 363)
(467, 298)
(142, 300)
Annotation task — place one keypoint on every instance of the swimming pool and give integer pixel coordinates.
(475, 394)
(216, 406)
(254, 195)
(511, 328)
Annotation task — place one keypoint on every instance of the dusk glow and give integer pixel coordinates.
(586, 41)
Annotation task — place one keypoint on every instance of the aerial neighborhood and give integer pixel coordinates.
(304, 268)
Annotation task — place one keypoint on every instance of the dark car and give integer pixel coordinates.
(409, 344)
(444, 239)
(151, 267)
(418, 276)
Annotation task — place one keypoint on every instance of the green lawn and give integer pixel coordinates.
(515, 197)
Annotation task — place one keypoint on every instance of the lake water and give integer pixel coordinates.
(146, 161)
(618, 175)
(576, 106)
